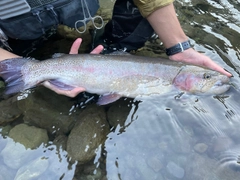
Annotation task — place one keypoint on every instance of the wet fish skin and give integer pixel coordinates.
(112, 76)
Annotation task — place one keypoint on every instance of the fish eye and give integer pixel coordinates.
(206, 76)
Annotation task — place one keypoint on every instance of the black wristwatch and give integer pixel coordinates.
(180, 47)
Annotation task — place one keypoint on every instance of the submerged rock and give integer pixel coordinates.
(46, 109)
(118, 113)
(9, 111)
(15, 154)
(29, 136)
(61, 141)
(175, 170)
(88, 134)
(2, 84)
(200, 147)
(5, 130)
(221, 143)
(155, 163)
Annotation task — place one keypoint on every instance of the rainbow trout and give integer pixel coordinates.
(112, 76)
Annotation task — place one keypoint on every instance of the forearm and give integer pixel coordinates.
(6, 54)
(165, 23)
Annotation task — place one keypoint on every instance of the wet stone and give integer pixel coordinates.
(96, 175)
(29, 136)
(155, 163)
(9, 111)
(45, 109)
(210, 169)
(88, 134)
(175, 170)
(221, 144)
(5, 130)
(15, 154)
(200, 147)
(118, 113)
(2, 84)
(61, 141)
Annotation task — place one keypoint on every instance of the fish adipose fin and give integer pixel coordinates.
(10, 71)
(108, 98)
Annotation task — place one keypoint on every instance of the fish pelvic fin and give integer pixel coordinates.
(10, 71)
(60, 85)
(108, 98)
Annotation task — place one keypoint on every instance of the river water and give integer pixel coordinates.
(191, 137)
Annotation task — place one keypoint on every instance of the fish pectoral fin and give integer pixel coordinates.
(60, 85)
(108, 98)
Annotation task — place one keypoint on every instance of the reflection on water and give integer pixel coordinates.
(192, 137)
(17, 162)
(183, 139)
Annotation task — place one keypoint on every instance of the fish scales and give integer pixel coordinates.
(88, 70)
(125, 75)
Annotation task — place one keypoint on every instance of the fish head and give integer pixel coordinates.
(197, 80)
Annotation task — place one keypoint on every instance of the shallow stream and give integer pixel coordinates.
(191, 137)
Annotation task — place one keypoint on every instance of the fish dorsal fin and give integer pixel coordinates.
(57, 55)
(120, 53)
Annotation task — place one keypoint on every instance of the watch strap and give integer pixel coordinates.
(180, 47)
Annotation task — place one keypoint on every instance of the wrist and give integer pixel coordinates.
(177, 48)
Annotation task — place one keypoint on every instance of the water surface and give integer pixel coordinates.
(191, 137)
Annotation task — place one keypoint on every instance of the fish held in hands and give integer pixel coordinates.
(112, 76)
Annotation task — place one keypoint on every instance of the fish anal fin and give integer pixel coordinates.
(108, 98)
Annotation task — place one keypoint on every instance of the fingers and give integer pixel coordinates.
(75, 46)
(97, 50)
(72, 93)
(77, 43)
(193, 57)
(222, 71)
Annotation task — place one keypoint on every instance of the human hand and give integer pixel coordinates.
(77, 90)
(4, 54)
(165, 23)
(193, 57)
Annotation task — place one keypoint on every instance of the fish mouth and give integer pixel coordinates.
(221, 83)
(221, 86)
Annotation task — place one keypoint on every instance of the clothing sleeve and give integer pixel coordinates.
(146, 7)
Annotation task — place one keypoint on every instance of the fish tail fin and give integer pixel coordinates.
(10, 71)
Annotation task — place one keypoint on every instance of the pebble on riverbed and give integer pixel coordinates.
(2, 84)
(9, 111)
(200, 147)
(88, 134)
(29, 136)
